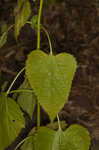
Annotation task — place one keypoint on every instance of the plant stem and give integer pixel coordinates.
(58, 122)
(38, 26)
(23, 90)
(47, 34)
(42, 27)
(38, 48)
(14, 80)
(38, 115)
(27, 138)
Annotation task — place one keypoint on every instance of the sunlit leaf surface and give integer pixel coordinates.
(50, 77)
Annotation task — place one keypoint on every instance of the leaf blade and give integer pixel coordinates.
(11, 121)
(22, 17)
(74, 138)
(27, 101)
(48, 79)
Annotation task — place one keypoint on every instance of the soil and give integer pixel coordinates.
(74, 28)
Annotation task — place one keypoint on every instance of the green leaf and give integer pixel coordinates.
(11, 121)
(27, 100)
(22, 16)
(77, 138)
(44, 138)
(34, 21)
(59, 141)
(50, 77)
(3, 39)
(74, 138)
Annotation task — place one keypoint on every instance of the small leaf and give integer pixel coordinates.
(51, 78)
(74, 138)
(11, 121)
(22, 16)
(3, 39)
(27, 100)
(34, 21)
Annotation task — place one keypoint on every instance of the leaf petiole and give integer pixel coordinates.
(24, 140)
(15, 80)
(19, 91)
(59, 125)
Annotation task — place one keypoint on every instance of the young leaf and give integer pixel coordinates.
(34, 21)
(50, 77)
(27, 100)
(3, 39)
(74, 138)
(11, 121)
(22, 16)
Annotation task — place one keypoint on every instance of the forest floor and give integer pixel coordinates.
(74, 28)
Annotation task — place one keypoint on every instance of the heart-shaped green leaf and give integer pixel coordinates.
(11, 121)
(50, 77)
(74, 138)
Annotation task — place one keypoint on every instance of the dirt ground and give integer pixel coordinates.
(74, 28)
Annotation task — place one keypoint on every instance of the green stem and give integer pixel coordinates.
(42, 27)
(19, 91)
(47, 34)
(38, 115)
(23, 142)
(38, 26)
(38, 47)
(58, 122)
(14, 80)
